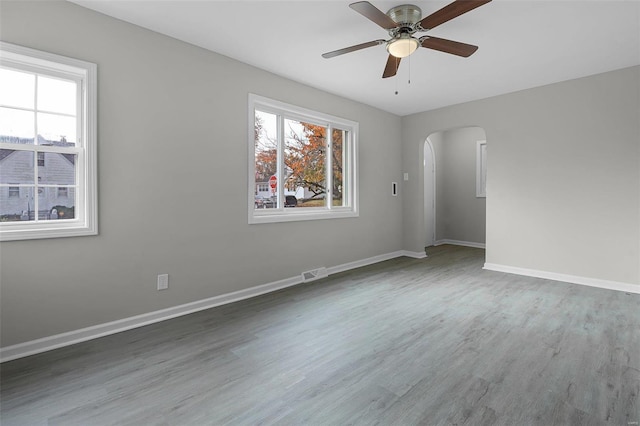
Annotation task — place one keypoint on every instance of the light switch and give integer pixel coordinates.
(406, 176)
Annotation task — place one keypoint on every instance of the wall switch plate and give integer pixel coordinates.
(163, 281)
(406, 176)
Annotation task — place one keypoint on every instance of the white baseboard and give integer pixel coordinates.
(76, 336)
(573, 279)
(375, 259)
(364, 262)
(414, 254)
(460, 243)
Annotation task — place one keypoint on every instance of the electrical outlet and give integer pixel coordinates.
(163, 281)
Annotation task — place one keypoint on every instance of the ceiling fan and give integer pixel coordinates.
(402, 22)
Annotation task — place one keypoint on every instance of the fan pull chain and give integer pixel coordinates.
(409, 82)
(395, 77)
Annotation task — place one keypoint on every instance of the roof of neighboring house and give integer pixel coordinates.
(29, 141)
(4, 153)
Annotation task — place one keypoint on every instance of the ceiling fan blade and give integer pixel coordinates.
(392, 67)
(352, 48)
(449, 12)
(448, 46)
(374, 14)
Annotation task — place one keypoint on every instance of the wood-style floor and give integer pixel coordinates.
(436, 341)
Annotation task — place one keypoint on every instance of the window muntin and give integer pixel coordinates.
(47, 145)
(292, 155)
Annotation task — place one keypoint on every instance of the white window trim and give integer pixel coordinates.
(86, 208)
(257, 216)
(481, 170)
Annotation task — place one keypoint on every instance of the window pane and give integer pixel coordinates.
(266, 159)
(305, 162)
(17, 88)
(56, 130)
(16, 126)
(56, 95)
(16, 208)
(16, 167)
(54, 206)
(58, 169)
(337, 160)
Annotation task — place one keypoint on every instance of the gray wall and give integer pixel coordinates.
(172, 144)
(563, 178)
(564, 181)
(460, 215)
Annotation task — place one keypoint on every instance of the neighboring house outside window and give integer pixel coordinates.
(47, 145)
(298, 153)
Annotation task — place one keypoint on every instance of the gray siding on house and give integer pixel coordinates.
(17, 168)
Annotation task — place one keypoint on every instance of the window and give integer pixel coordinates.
(481, 169)
(301, 154)
(47, 145)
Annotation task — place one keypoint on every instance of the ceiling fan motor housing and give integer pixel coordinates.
(406, 14)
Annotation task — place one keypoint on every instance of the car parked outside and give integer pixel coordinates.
(290, 201)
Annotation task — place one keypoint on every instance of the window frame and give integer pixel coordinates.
(350, 176)
(84, 73)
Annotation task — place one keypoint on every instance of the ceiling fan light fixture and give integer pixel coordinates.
(403, 46)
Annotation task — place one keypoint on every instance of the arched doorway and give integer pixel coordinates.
(454, 206)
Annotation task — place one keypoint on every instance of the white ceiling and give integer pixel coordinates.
(522, 44)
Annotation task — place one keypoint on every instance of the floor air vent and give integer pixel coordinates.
(314, 274)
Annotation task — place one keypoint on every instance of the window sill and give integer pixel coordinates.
(38, 232)
(257, 217)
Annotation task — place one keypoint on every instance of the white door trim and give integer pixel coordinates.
(429, 183)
